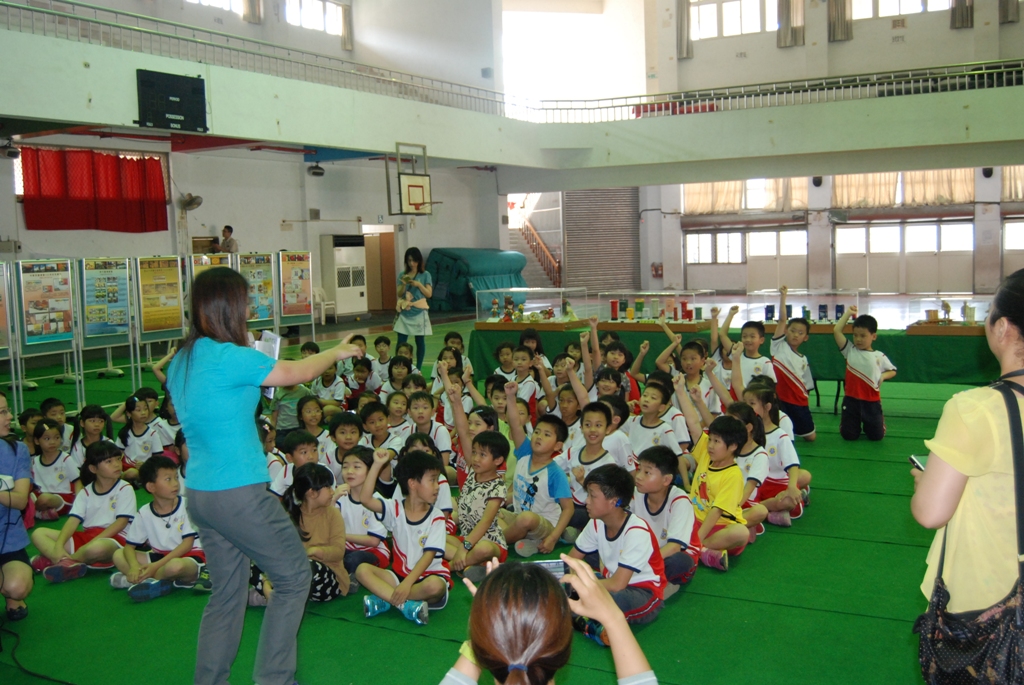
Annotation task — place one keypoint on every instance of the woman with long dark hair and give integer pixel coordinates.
(215, 380)
(415, 286)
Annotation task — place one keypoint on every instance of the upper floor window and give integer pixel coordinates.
(714, 18)
(235, 6)
(866, 9)
(319, 15)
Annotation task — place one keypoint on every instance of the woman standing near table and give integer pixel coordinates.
(415, 286)
(215, 382)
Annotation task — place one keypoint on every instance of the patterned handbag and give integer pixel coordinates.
(984, 646)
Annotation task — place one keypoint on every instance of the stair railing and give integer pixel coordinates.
(551, 265)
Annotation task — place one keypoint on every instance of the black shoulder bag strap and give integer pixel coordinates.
(1006, 386)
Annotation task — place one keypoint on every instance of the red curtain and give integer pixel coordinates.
(89, 189)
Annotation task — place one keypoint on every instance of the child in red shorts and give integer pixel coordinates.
(104, 507)
(54, 473)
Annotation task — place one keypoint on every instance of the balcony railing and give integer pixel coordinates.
(81, 22)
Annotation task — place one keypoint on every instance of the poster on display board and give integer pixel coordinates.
(258, 270)
(46, 300)
(205, 262)
(106, 296)
(160, 288)
(296, 286)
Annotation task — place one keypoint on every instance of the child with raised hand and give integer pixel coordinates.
(310, 503)
(158, 366)
(752, 363)
(866, 369)
(421, 416)
(689, 364)
(615, 441)
(468, 426)
(421, 442)
(331, 390)
(104, 508)
(454, 339)
(531, 338)
(570, 397)
(628, 555)
(377, 436)
(55, 474)
(503, 354)
(672, 415)
(787, 485)
(382, 345)
(176, 558)
(449, 400)
(793, 371)
(541, 499)
(28, 420)
(365, 536)
(311, 417)
(420, 578)
(300, 448)
(53, 408)
(360, 380)
(483, 494)
(669, 513)
(648, 429)
(453, 358)
(720, 348)
(399, 424)
(578, 461)
(717, 492)
(752, 459)
(141, 438)
(529, 390)
(638, 362)
(398, 368)
(520, 627)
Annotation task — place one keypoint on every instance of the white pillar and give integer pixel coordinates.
(820, 254)
(988, 226)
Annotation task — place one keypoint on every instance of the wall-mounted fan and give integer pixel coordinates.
(189, 202)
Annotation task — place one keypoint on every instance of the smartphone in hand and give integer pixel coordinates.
(917, 462)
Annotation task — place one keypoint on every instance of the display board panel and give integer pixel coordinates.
(258, 271)
(160, 293)
(46, 300)
(106, 308)
(296, 284)
(205, 262)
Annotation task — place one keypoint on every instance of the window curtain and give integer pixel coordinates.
(1013, 183)
(684, 44)
(252, 11)
(1009, 11)
(938, 187)
(89, 189)
(865, 190)
(346, 27)
(961, 14)
(786, 194)
(840, 20)
(723, 197)
(791, 23)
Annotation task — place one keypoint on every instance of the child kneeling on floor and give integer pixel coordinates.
(626, 550)
(104, 507)
(176, 559)
(420, 578)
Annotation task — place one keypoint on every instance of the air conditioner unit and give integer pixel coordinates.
(343, 272)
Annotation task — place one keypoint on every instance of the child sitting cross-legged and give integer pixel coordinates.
(365, 536)
(299, 448)
(104, 507)
(541, 499)
(648, 429)
(483, 493)
(626, 549)
(669, 513)
(717, 492)
(420, 578)
(579, 460)
(54, 473)
(421, 415)
(175, 559)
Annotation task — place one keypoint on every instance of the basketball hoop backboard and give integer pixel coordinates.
(408, 183)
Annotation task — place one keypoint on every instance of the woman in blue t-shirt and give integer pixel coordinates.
(415, 287)
(15, 484)
(215, 382)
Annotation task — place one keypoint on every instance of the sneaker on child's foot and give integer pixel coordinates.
(527, 547)
(569, 535)
(780, 518)
(65, 571)
(256, 598)
(150, 588)
(416, 611)
(119, 581)
(40, 563)
(592, 629)
(374, 605)
(353, 585)
(203, 583)
(47, 515)
(715, 559)
(759, 529)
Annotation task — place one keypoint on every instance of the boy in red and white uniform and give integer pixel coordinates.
(648, 429)
(365, 536)
(669, 513)
(792, 370)
(866, 369)
(627, 551)
(419, 579)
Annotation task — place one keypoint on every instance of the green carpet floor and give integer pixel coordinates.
(830, 600)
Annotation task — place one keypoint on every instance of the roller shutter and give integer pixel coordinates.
(602, 239)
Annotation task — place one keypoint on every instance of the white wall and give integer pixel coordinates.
(876, 46)
(449, 40)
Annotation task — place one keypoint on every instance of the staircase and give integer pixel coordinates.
(533, 272)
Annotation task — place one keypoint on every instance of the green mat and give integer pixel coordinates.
(830, 600)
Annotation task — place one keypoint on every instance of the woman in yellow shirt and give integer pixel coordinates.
(967, 486)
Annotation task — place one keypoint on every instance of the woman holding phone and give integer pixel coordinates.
(415, 287)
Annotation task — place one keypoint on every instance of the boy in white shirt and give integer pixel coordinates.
(176, 558)
(628, 553)
(648, 430)
(331, 390)
(300, 447)
(795, 380)
(866, 369)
